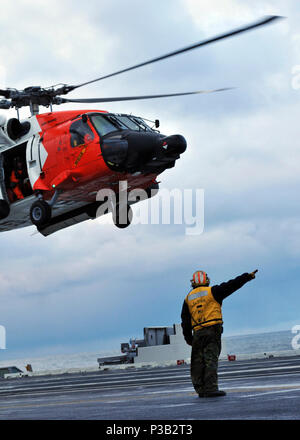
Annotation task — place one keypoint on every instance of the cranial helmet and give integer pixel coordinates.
(200, 278)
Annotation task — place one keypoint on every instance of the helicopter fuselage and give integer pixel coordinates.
(61, 160)
(71, 155)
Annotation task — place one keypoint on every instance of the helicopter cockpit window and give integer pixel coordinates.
(129, 123)
(81, 133)
(117, 121)
(142, 123)
(104, 125)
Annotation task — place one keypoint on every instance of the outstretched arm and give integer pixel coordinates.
(252, 274)
(223, 290)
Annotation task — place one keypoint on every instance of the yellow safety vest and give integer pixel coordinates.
(203, 307)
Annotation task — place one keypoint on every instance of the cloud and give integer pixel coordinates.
(217, 13)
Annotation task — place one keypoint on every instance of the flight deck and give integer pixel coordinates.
(257, 389)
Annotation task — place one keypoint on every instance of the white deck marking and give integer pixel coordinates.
(272, 392)
(177, 404)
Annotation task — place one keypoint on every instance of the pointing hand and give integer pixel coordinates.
(252, 274)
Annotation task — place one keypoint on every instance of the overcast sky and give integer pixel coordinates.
(93, 286)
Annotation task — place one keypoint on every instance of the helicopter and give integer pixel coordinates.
(53, 164)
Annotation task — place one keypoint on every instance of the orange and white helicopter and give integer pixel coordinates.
(52, 165)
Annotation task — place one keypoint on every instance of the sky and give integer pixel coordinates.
(92, 286)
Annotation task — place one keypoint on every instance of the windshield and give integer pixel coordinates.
(104, 125)
(110, 122)
(133, 122)
(128, 122)
(141, 122)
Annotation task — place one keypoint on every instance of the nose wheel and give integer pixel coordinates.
(40, 213)
(4, 209)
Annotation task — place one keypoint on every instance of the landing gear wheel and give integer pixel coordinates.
(4, 209)
(122, 216)
(40, 213)
(92, 209)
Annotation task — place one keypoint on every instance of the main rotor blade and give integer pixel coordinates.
(135, 98)
(261, 22)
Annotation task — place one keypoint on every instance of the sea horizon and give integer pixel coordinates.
(276, 341)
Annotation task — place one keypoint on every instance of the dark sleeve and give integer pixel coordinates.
(223, 290)
(186, 324)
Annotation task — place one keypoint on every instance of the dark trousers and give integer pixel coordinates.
(206, 349)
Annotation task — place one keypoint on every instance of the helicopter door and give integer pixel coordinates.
(36, 156)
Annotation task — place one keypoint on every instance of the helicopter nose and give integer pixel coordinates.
(175, 144)
(153, 152)
(142, 152)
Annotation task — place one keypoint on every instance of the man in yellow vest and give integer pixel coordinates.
(201, 321)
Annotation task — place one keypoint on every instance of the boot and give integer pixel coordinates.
(216, 393)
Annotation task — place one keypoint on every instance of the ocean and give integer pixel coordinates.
(243, 344)
(260, 342)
